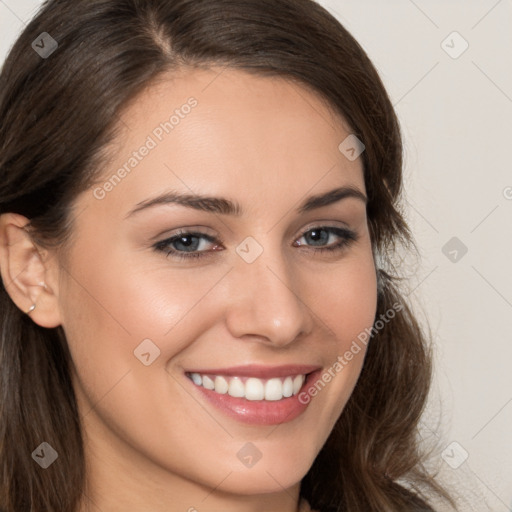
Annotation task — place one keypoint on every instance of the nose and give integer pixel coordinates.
(265, 302)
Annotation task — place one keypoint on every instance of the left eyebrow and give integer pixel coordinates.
(331, 197)
(226, 207)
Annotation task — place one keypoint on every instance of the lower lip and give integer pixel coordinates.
(259, 412)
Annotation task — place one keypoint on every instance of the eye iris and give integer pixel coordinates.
(187, 242)
(315, 236)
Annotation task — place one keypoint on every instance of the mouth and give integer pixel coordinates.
(250, 388)
(256, 395)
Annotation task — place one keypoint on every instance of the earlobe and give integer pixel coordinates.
(25, 272)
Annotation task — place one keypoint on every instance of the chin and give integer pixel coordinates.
(264, 478)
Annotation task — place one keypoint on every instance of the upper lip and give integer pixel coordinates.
(259, 371)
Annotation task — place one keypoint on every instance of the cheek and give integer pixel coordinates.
(123, 300)
(113, 303)
(347, 299)
(347, 309)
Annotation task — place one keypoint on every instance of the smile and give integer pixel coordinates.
(250, 388)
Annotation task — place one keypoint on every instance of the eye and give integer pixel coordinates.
(321, 235)
(186, 244)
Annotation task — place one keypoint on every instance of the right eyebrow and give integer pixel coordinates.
(203, 203)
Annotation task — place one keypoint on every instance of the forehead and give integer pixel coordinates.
(227, 132)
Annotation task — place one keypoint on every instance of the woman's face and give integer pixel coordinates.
(248, 292)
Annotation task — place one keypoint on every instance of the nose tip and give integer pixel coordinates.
(265, 304)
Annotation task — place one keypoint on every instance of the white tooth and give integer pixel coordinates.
(273, 389)
(288, 387)
(221, 385)
(236, 388)
(297, 383)
(196, 378)
(208, 383)
(254, 389)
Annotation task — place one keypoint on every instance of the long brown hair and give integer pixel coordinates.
(59, 113)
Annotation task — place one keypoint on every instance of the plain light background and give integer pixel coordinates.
(456, 117)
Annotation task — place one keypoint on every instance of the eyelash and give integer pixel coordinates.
(347, 238)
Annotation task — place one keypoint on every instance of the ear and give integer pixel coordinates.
(28, 273)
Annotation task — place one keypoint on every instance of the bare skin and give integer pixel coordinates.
(152, 443)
